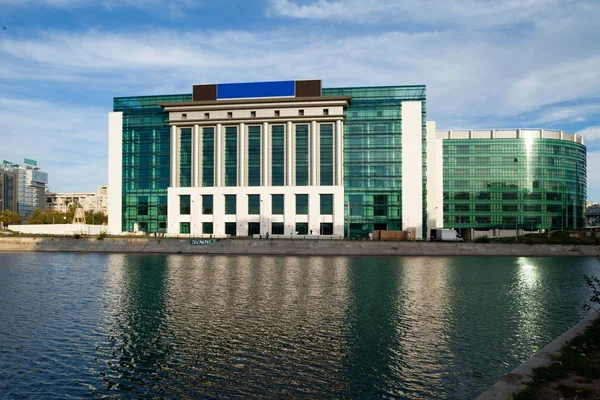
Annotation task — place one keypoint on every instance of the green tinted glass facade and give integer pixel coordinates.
(254, 156)
(277, 204)
(185, 158)
(373, 155)
(146, 160)
(231, 156)
(278, 155)
(230, 204)
(208, 157)
(326, 202)
(508, 183)
(301, 204)
(301, 155)
(253, 204)
(207, 204)
(326, 154)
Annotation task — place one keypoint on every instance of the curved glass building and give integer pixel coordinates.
(503, 180)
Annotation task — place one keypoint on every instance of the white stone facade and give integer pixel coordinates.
(286, 113)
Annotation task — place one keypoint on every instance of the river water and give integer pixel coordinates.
(97, 325)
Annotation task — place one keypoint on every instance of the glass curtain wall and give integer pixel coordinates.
(302, 155)
(326, 154)
(146, 160)
(278, 155)
(208, 157)
(231, 156)
(373, 155)
(254, 156)
(527, 184)
(185, 158)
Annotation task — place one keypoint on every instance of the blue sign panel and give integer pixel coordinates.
(255, 89)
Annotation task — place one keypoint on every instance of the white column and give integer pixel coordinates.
(242, 155)
(313, 154)
(174, 165)
(339, 149)
(195, 157)
(264, 148)
(218, 158)
(412, 164)
(288, 154)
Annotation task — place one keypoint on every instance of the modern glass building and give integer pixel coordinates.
(292, 158)
(496, 181)
(31, 185)
(269, 162)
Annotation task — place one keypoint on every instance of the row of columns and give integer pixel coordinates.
(290, 147)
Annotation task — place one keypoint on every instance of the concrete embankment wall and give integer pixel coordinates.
(288, 247)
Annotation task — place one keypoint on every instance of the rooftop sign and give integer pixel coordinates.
(256, 90)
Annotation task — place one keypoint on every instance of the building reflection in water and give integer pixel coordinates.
(257, 323)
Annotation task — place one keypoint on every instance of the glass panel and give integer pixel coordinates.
(207, 228)
(301, 155)
(301, 204)
(277, 204)
(207, 204)
(326, 204)
(278, 155)
(254, 156)
(230, 204)
(302, 228)
(277, 228)
(253, 228)
(184, 227)
(184, 204)
(253, 204)
(230, 228)
(185, 158)
(208, 157)
(326, 154)
(231, 156)
(326, 228)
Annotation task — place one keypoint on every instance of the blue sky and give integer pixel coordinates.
(486, 64)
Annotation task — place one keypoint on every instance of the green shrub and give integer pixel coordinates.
(482, 239)
(103, 235)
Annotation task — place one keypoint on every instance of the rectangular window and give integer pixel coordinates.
(301, 204)
(302, 228)
(162, 205)
(326, 228)
(509, 208)
(253, 204)
(461, 207)
(252, 114)
(253, 228)
(207, 228)
(325, 111)
(277, 204)
(278, 155)
(230, 204)
(207, 204)
(184, 204)
(380, 205)
(510, 196)
(206, 115)
(229, 114)
(482, 208)
(208, 157)
(277, 113)
(143, 205)
(231, 156)
(301, 155)
(326, 154)
(326, 204)
(185, 158)
(277, 228)
(301, 113)
(230, 229)
(184, 227)
(183, 116)
(254, 156)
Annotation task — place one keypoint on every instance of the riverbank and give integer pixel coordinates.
(287, 247)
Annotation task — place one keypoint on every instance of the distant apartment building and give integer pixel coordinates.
(89, 201)
(31, 184)
(8, 190)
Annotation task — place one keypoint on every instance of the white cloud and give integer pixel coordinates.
(459, 12)
(69, 142)
(590, 134)
(593, 175)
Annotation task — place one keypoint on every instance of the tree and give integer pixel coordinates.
(8, 217)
